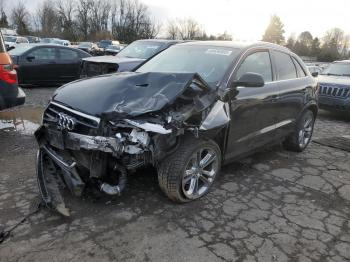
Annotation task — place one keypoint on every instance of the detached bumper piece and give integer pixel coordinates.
(56, 166)
(49, 180)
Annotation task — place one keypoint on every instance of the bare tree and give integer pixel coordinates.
(20, 18)
(83, 17)
(48, 20)
(172, 29)
(335, 44)
(3, 16)
(187, 29)
(100, 13)
(131, 21)
(66, 13)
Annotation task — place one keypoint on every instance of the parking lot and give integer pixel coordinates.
(273, 206)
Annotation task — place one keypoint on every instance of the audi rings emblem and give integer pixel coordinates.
(65, 122)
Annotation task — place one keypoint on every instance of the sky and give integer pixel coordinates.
(248, 19)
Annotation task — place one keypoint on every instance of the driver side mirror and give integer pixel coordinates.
(249, 80)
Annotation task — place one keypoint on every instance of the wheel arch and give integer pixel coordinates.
(312, 106)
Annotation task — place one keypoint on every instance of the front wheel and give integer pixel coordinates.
(301, 137)
(191, 170)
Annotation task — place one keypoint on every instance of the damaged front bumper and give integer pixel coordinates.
(55, 170)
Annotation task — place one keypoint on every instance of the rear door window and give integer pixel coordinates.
(300, 70)
(284, 66)
(66, 54)
(44, 53)
(259, 63)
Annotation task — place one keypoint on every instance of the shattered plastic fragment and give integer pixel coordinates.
(149, 126)
(133, 150)
(141, 137)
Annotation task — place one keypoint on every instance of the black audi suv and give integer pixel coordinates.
(191, 109)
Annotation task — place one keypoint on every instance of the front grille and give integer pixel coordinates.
(91, 69)
(334, 91)
(84, 123)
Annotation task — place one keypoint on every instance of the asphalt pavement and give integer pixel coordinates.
(273, 206)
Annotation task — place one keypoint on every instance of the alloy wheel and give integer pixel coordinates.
(305, 131)
(200, 173)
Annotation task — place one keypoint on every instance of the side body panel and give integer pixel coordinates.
(37, 71)
(253, 116)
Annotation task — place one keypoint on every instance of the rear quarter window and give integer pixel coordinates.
(67, 54)
(300, 70)
(284, 66)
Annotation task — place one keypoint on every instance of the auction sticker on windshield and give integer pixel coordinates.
(218, 52)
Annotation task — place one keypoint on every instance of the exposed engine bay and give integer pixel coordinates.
(136, 120)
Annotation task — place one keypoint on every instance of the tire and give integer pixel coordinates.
(179, 175)
(302, 134)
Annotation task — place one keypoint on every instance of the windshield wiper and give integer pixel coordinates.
(345, 74)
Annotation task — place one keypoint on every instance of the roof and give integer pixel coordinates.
(160, 40)
(50, 45)
(342, 61)
(235, 44)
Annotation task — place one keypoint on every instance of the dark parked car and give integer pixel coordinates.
(10, 94)
(127, 59)
(334, 89)
(47, 64)
(187, 111)
(90, 48)
(48, 40)
(103, 44)
(112, 50)
(33, 39)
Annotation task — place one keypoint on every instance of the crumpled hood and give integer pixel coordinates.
(128, 94)
(334, 80)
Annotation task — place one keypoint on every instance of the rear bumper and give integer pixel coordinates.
(334, 104)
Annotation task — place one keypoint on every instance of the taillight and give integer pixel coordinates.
(8, 74)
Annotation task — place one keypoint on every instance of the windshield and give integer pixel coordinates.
(58, 42)
(85, 44)
(104, 43)
(139, 49)
(46, 40)
(210, 62)
(10, 39)
(114, 47)
(20, 49)
(337, 69)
